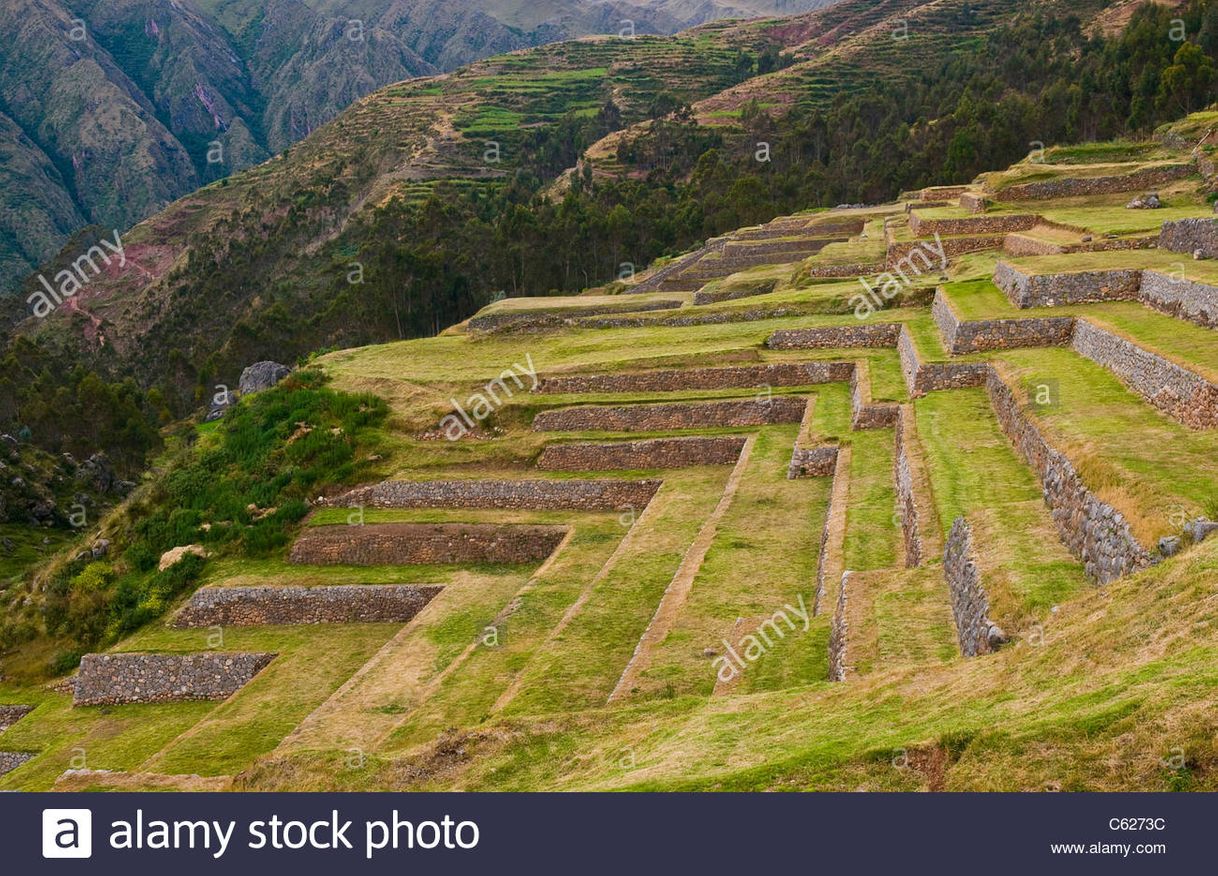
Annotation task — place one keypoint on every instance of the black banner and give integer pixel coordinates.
(607, 833)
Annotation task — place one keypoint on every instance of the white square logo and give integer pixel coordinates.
(67, 833)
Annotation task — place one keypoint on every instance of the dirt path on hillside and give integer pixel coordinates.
(682, 583)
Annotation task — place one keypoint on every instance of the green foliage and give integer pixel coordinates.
(245, 488)
(63, 406)
(240, 490)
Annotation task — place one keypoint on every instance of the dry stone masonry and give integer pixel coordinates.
(337, 604)
(11, 714)
(634, 455)
(402, 544)
(1181, 298)
(923, 377)
(1072, 187)
(1092, 530)
(679, 379)
(975, 631)
(10, 760)
(1051, 290)
(973, 202)
(974, 336)
(113, 679)
(1178, 392)
(971, 226)
(837, 272)
(1184, 299)
(838, 337)
(1195, 237)
(671, 415)
(524, 495)
(557, 316)
(907, 505)
(812, 462)
(865, 414)
(838, 633)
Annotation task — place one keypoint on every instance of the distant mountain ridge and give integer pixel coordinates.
(112, 109)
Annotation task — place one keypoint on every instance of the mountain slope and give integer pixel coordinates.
(138, 102)
(738, 533)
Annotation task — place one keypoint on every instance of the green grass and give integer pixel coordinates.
(262, 713)
(1177, 264)
(581, 669)
(1185, 343)
(975, 473)
(1154, 470)
(871, 530)
(469, 694)
(763, 558)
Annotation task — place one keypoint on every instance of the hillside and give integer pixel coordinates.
(421, 203)
(294, 218)
(114, 109)
(911, 496)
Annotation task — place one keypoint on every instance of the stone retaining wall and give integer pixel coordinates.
(812, 462)
(1071, 187)
(975, 631)
(11, 714)
(931, 193)
(1051, 290)
(973, 202)
(838, 337)
(671, 415)
(691, 317)
(741, 260)
(830, 272)
(632, 455)
(10, 760)
(833, 531)
(800, 248)
(982, 335)
(865, 414)
(680, 379)
(1191, 236)
(336, 604)
(951, 246)
(402, 544)
(714, 296)
(1112, 244)
(808, 226)
(907, 505)
(112, 679)
(971, 226)
(525, 495)
(921, 377)
(838, 633)
(1178, 392)
(660, 279)
(1184, 299)
(1015, 244)
(1092, 530)
(558, 315)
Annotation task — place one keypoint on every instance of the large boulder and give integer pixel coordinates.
(173, 556)
(1148, 201)
(97, 473)
(262, 375)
